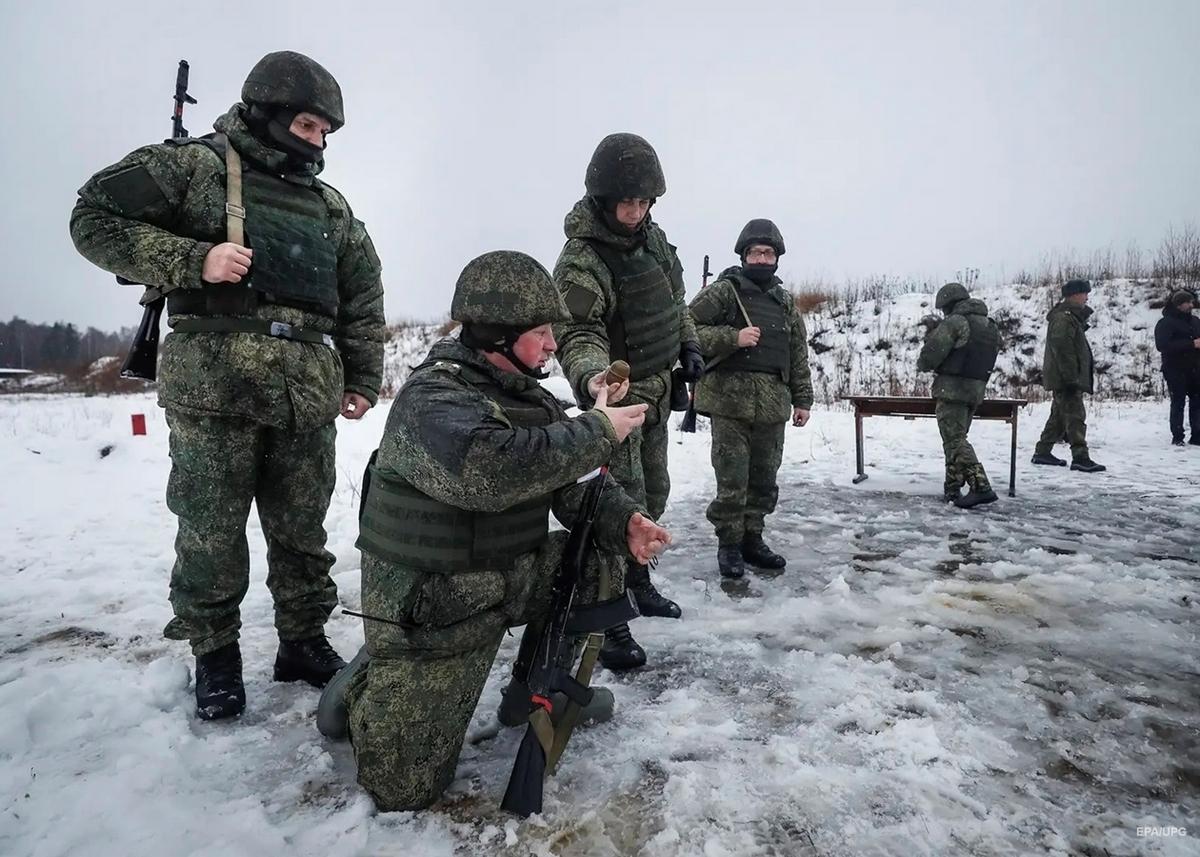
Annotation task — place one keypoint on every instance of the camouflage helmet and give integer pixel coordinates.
(509, 289)
(291, 80)
(949, 294)
(624, 166)
(760, 231)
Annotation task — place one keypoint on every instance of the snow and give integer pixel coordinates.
(920, 680)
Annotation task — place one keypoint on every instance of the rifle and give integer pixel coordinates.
(688, 423)
(540, 665)
(142, 360)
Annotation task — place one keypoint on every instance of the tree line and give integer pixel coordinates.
(56, 347)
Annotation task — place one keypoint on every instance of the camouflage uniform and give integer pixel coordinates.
(454, 436)
(251, 415)
(749, 408)
(957, 394)
(1068, 373)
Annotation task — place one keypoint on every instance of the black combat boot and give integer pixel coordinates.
(729, 560)
(1194, 440)
(1048, 458)
(650, 601)
(312, 660)
(219, 689)
(333, 718)
(976, 497)
(1179, 442)
(620, 651)
(756, 552)
(1086, 465)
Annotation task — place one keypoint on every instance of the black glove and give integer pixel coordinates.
(691, 362)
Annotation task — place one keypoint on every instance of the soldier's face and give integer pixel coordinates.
(310, 128)
(631, 212)
(761, 254)
(1079, 299)
(535, 347)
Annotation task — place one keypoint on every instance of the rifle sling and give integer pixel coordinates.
(235, 211)
(570, 717)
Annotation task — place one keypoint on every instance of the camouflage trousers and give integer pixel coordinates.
(218, 466)
(746, 458)
(1067, 421)
(411, 705)
(640, 467)
(962, 465)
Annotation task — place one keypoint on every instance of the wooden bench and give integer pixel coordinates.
(911, 407)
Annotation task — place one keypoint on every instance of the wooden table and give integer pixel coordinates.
(910, 408)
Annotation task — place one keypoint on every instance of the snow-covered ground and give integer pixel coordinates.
(920, 680)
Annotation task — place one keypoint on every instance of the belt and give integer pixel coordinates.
(252, 325)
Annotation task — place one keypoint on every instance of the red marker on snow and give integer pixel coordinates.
(139, 423)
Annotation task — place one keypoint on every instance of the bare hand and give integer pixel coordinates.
(645, 538)
(1196, 343)
(799, 417)
(624, 420)
(354, 406)
(226, 263)
(748, 337)
(616, 392)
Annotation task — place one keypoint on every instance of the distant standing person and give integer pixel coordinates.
(1177, 337)
(271, 339)
(748, 322)
(961, 349)
(1067, 373)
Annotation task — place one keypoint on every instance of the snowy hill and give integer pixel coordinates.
(870, 346)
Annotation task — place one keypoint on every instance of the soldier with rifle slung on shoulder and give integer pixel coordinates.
(275, 303)
(456, 546)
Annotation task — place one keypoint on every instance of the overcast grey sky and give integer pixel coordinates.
(883, 137)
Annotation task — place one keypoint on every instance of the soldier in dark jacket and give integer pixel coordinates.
(1177, 337)
(962, 350)
(272, 337)
(623, 286)
(1067, 373)
(455, 537)
(758, 380)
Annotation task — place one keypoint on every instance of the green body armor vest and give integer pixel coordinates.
(402, 524)
(295, 260)
(644, 329)
(977, 358)
(773, 353)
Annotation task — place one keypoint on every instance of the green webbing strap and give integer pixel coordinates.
(252, 325)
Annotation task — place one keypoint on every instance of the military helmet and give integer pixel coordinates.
(507, 288)
(760, 231)
(625, 166)
(291, 80)
(950, 294)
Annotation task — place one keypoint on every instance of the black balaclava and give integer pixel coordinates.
(498, 339)
(759, 273)
(608, 211)
(271, 128)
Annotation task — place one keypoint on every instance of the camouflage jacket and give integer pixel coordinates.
(1067, 364)
(953, 332)
(453, 443)
(583, 346)
(756, 397)
(158, 234)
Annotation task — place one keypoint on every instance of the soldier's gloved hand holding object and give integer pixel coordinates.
(748, 337)
(691, 361)
(354, 406)
(645, 538)
(226, 263)
(799, 417)
(624, 420)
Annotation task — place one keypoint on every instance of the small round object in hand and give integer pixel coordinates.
(618, 372)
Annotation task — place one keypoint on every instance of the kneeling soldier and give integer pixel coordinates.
(455, 534)
(962, 351)
(748, 324)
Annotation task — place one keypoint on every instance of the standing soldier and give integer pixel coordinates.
(455, 528)
(1177, 337)
(759, 378)
(272, 338)
(961, 349)
(1067, 372)
(623, 286)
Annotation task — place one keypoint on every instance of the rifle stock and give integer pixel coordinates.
(142, 360)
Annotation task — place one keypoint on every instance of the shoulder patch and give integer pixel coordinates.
(580, 301)
(133, 189)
